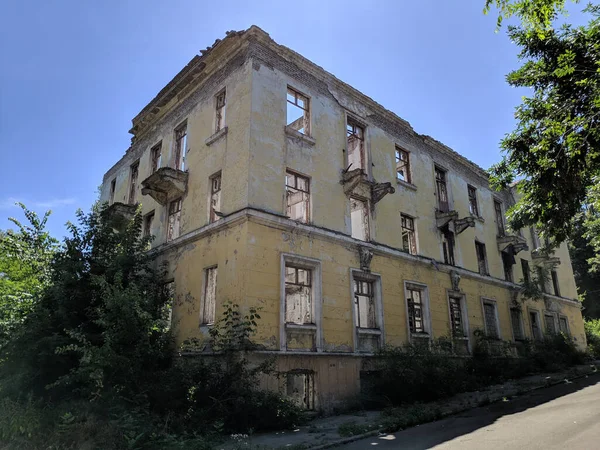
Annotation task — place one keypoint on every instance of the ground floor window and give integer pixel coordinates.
(300, 388)
(490, 317)
(516, 321)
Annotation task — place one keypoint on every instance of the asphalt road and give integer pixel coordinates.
(566, 416)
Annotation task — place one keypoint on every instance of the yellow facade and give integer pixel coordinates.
(253, 241)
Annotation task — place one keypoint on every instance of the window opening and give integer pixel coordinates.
(298, 113)
(364, 304)
(298, 295)
(441, 190)
(180, 146)
(297, 191)
(416, 319)
(499, 218)
(155, 157)
(220, 110)
(215, 198)
(356, 145)
(210, 296)
(174, 219)
(359, 218)
(133, 182)
(481, 258)
(491, 326)
(403, 165)
(473, 207)
(409, 241)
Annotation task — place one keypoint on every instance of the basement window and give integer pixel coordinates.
(180, 146)
(409, 241)
(174, 219)
(220, 110)
(148, 220)
(473, 206)
(356, 145)
(481, 258)
(155, 157)
(113, 188)
(298, 295)
(133, 177)
(215, 198)
(359, 218)
(300, 388)
(297, 193)
(403, 165)
(298, 112)
(210, 296)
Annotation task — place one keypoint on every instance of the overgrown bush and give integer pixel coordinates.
(592, 334)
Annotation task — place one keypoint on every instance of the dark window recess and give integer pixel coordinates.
(148, 219)
(409, 241)
(526, 270)
(489, 311)
(416, 321)
(113, 188)
(448, 246)
(555, 283)
(481, 258)
(155, 157)
(508, 260)
(473, 207)
(499, 218)
(441, 190)
(456, 318)
(535, 325)
(134, 172)
(516, 322)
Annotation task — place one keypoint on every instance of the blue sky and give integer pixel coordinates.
(74, 73)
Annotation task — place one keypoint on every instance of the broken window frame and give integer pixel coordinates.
(409, 234)
(155, 157)
(491, 323)
(473, 205)
(536, 325)
(292, 188)
(369, 294)
(507, 266)
(298, 97)
(355, 131)
(481, 253)
(555, 285)
(113, 189)
(134, 172)
(550, 325)
(516, 321)
(148, 221)
(499, 217)
(180, 147)
(457, 319)
(526, 270)
(448, 244)
(174, 219)
(403, 166)
(441, 189)
(214, 201)
(209, 296)
(417, 313)
(220, 103)
(366, 219)
(307, 310)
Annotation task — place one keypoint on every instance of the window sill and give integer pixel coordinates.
(372, 331)
(296, 134)
(406, 185)
(215, 137)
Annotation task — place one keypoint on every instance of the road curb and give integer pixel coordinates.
(358, 437)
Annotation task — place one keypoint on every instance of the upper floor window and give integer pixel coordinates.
(409, 241)
(526, 270)
(356, 145)
(403, 165)
(554, 275)
(133, 177)
(448, 246)
(359, 218)
(207, 316)
(180, 147)
(215, 197)
(174, 219)
(113, 188)
(481, 258)
(535, 239)
(299, 307)
(297, 193)
(499, 217)
(220, 110)
(298, 112)
(155, 157)
(441, 190)
(508, 259)
(148, 220)
(473, 207)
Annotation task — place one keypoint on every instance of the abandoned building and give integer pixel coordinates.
(268, 182)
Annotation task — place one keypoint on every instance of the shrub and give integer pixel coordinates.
(592, 334)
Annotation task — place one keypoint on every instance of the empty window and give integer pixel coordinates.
(298, 295)
(220, 110)
(133, 177)
(555, 282)
(174, 219)
(441, 190)
(210, 296)
(473, 207)
(563, 325)
(170, 301)
(489, 315)
(526, 270)
(180, 147)
(508, 259)
(536, 331)
(298, 113)
(359, 218)
(415, 304)
(409, 241)
(499, 218)
(148, 219)
(541, 278)
(356, 145)
(517, 324)
(300, 388)
(297, 192)
(364, 303)
(403, 165)
(448, 246)
(155, 157)
(456, 316)
(550, 323)
(481, 258)
(215, 197)
(113, 188)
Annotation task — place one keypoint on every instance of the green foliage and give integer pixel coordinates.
(395, 419)
(25, 256)
(555, 148)
(592, 335)
(534, 14)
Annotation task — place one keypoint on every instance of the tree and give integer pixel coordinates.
(555, 148)
(25, 257)
(534, 14)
